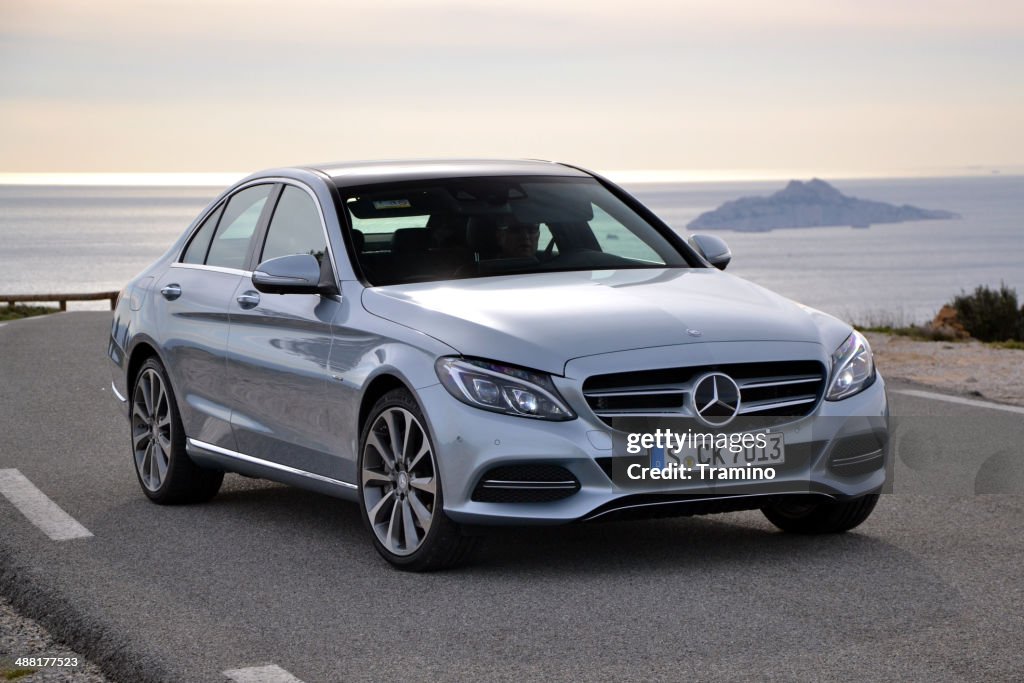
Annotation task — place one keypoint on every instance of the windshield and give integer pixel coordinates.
(473, 227)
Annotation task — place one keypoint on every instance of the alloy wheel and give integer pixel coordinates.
(151, 429)
(399, 481)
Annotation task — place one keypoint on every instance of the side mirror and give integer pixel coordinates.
(712, 248)
(294, 274)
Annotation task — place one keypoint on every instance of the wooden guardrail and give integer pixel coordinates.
(62, 299)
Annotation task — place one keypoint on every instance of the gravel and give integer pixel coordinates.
(22, 637)
(970, 368)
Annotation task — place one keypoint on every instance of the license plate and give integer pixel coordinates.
(757, 450)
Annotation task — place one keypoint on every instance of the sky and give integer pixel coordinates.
(714, 88)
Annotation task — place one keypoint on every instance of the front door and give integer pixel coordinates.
(278, 349)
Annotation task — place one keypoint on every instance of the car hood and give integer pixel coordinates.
(543, 320)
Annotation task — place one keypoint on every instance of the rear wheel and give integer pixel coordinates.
(807, 516)
(165, 472)
(400, 489)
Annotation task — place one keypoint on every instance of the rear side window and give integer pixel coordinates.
(295, 227)
(197, 248)
(230, 244)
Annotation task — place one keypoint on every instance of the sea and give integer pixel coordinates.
(57, 239)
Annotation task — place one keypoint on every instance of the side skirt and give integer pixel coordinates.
(208, 455)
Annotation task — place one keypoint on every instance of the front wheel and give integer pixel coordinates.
(801, 516)
(164, 470)
(400, 489)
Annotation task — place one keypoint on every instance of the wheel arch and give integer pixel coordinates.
(378, 386)
(140, 353)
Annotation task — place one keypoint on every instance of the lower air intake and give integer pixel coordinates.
(525, 484)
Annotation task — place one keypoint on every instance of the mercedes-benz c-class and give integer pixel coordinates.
(461, 344)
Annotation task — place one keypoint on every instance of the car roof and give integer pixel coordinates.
(354, 173)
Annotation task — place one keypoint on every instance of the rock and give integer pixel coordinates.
(947, 325)
(811, 204)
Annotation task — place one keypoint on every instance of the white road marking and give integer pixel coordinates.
(40, 510)
(963, 401)
(261, 674)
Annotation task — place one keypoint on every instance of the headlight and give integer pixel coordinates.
(853, 368)
(502, 389)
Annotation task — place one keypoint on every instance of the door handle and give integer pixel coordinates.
(248, 300)
(171, 292)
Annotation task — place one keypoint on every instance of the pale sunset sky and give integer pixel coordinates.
(718, 88)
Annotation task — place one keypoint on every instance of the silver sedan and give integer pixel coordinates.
(456, 344)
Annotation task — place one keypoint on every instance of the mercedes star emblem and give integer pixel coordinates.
(716, 399)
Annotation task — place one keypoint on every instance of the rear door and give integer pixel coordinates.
(279, 345)
(194, 303)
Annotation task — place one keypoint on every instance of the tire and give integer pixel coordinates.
(165, 472)
(400, 498)
(801, 516)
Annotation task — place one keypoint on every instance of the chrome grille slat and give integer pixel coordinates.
(682, 412)
(762, 382)
(635, 391)
(761, 406)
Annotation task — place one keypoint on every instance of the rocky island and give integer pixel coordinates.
(805, 205)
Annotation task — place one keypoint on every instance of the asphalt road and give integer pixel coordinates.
(929, 588)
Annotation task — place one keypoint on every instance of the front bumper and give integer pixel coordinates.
(471, 442)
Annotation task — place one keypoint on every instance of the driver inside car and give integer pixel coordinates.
(518, 240)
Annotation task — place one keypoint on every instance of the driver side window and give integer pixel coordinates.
(295, 227)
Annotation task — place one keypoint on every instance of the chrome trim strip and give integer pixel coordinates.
(777, 382)
(500, 484)
(856, 459)
(266, 463)
(117, 393)
(640, 391)
(215, 269)
(772, 405)
(703, 499)
(644, 413)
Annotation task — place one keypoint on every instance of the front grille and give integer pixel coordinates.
(775, 392)
(528, 483)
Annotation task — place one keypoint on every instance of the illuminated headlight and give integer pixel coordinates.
(502, 389)
(853, 368)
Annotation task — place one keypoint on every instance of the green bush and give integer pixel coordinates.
(21, 311)
(991, 315)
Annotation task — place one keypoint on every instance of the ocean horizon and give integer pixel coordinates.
(623, 176)
(84, 238)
